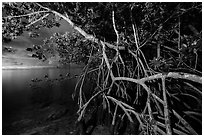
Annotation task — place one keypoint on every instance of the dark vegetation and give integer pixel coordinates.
(143, 60)
(8, 50)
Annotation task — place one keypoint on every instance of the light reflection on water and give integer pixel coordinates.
(17, 92)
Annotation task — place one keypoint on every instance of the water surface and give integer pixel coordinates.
(18, 91)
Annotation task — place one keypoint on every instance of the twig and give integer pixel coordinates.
(185, 123)
(114, 116)
(135, 36)
(134, 32)
(196, 61)
(82, 109)
(192, 68)
(174, 130)
(148, 106)
(25, 15)
(116, 32)
(147, 40)
(114, 26)
(122, 107)
(136, 58)
(106, 61)
(193, 87)
(37, 20)
(159, 28)
(171, 49)
(152, 94)
(107, 103)
(179, 37)
(158, 50)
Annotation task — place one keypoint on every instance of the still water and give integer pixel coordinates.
(18, 91)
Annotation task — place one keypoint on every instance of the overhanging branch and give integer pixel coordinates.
(82, 32)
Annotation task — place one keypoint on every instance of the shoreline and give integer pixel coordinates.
(38, 67)
(27, 67)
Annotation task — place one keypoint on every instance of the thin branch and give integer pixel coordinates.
(148, 106)
(150, 93)
(179, 37)
(83, 79)
(159, 28)
(133, 27)
(82, 109)
(179, 132)
(194, 88)
(196, 60)
(80, 90)
(107, 62)
(195, 31)
(185, 123)
(158, 50)
(148, 39)
(171, 49)
(136, 58)
(37, 20)
(116, 32)
(166, 110)
(192, 69)
(119, 103)
(114, 116)
(135, 36)
(24, 15)
(114, 26)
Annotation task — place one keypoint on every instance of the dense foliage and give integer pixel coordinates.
(143, 60)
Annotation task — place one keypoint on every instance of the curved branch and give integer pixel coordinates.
(82, 32)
